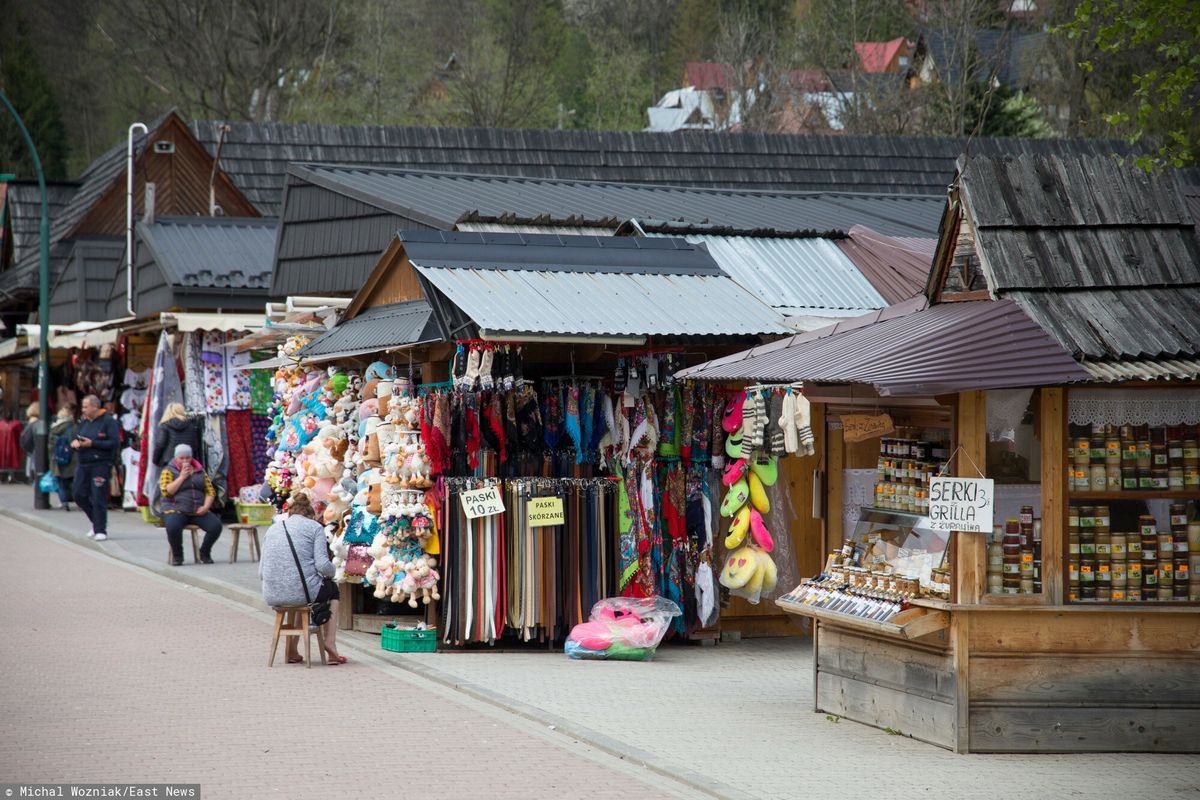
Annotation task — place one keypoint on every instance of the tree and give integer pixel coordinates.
(24, 81)
(1166, 92)
(232, 59)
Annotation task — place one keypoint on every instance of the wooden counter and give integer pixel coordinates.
(1012, 680)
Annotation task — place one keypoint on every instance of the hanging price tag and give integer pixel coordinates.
(485, 502)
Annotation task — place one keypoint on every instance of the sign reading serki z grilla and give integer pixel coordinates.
(485, 502)
(961, 504)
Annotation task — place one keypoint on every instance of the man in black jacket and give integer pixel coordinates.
(96, 443)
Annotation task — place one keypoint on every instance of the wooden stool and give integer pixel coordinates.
(235, 532)
(293, 621)
(195, 531)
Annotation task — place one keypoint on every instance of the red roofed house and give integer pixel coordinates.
(884, 56)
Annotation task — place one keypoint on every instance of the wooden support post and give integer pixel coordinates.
(835, 455)
(1052, 414)
(971, 548)
(345, 621)
(961, 655)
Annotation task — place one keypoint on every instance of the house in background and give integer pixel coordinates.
(880, 57)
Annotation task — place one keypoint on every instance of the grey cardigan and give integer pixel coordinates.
(280, 583)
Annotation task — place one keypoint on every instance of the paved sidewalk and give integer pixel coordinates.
(736, 719)
(113, 674)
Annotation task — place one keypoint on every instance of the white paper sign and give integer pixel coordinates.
(961, 504)
(485, 502)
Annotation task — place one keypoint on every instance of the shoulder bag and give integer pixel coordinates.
(319, 612)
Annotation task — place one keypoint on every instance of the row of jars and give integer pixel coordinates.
(1144, 565)
(1134, 458)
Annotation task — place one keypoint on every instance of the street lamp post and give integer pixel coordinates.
(40, 456)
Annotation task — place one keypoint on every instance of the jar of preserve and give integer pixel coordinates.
(1159, 453)
(1175, 452)
(1191, 453)
(1175, 479)
(1083, 451)
(1145, 458)
(1129, 478)
(1162, 478)
(1097, 477)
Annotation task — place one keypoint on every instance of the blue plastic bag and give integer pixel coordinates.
(48, 483)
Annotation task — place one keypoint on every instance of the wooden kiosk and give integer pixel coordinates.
(1056, 351)
(988, 672)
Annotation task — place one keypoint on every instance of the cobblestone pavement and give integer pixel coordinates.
(113, 674)
(736, 719)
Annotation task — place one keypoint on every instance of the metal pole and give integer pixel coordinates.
(129, 203)
(40, 456)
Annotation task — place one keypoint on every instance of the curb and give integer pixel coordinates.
(356, 642)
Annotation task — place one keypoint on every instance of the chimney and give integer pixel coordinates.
(148, 204)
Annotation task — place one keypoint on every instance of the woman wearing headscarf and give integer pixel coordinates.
(187, 498)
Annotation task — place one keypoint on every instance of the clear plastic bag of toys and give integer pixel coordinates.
(622, 629)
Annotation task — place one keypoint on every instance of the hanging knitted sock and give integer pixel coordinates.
(486, 380)
(803, 426)
(471, 378)
(775, 441)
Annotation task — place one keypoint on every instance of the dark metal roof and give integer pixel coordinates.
(23, 209)
(553, 253)
(1011, 54)
(911, 349)
(80, 293)
(440, 200)
(212, 252)
(255, 156)
(376, 329)
(570, 286)
(897, 268)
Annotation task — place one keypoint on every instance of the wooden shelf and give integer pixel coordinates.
(911, 623)
(1135, 495)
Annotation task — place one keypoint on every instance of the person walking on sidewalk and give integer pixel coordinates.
(175, 428)
(34, 427)
(300, 538)
(62, 433)
(95, 444)
(187, 499)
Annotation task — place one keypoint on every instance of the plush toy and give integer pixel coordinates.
(749, 571)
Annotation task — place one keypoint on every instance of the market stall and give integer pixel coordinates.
(552, 409)
(1010, 526)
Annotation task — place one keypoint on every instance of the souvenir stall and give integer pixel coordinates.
(556, 458)
(1007, 570)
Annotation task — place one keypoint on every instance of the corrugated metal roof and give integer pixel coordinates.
(558, 230)
(897, 268)
(603, 304)
(793, 276)
(1155, 370)
(911, 349)
(376, 329)
(440, 200)
(554, 253)
(212, 252)
(585, 285)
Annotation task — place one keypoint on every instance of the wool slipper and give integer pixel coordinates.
(737, 496)
(767, 471)
(733, 413)
(737, 531)
(739, 568)
(758, 529)
(734, 472)
(758, 494)
(733, 445)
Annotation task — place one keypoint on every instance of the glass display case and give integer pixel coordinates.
(899, 544)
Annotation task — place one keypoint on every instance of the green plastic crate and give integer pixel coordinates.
(255, 513)
(402, 640)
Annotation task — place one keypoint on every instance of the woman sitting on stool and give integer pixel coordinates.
(187, 498)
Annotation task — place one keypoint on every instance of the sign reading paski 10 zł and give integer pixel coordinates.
(485, 502)
(961, 504)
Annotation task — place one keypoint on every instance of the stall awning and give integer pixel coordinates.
(375, 330)
(215, 321)
(912, 349)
